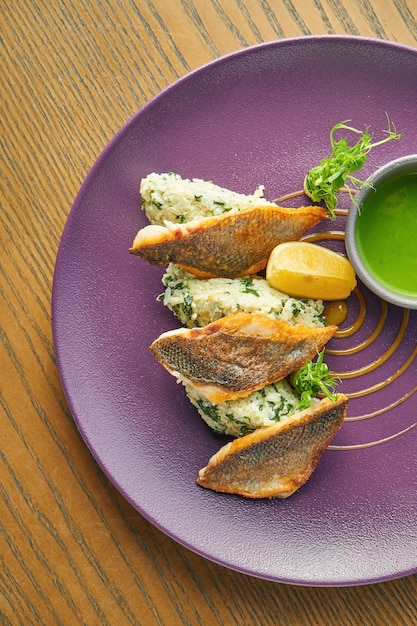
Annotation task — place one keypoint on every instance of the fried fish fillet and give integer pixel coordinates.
(238, 354)
(275, 461)
(227, 245)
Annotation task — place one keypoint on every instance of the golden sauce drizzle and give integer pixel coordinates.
(387, 381)
(380, 360)
(288, 196)
(351, 329)
(300, 192)
(371, 444)
(384, 409)
(329, 234)
(336, 312)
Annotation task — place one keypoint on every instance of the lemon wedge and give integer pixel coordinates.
(307, 270)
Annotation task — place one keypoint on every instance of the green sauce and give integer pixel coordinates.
(386, 234)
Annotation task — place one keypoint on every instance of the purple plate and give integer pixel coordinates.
(258, 116)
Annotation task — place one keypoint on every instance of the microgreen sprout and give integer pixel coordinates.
(335, 172)
(314, 377)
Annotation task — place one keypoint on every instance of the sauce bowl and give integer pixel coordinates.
(381, 232)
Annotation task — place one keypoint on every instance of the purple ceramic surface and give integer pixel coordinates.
(259, 116)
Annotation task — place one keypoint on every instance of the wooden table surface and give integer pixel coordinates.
(72, 550)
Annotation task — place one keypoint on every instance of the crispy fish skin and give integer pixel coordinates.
(227, 245)
(238, 354)
(275, 461)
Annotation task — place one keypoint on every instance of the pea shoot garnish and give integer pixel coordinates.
(314, 377)
(335, 172)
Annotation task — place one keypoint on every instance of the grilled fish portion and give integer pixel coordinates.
(227, 245)
(276, 460)
(238, 354)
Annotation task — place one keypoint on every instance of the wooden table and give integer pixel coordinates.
(72, 550)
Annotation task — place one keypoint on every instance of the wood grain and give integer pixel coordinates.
(72, 550)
